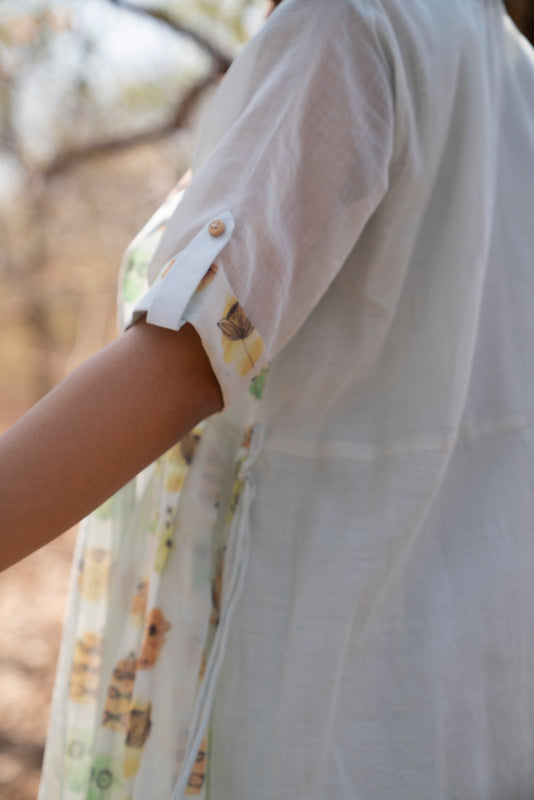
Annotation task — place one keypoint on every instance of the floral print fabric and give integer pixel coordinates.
(149, 582)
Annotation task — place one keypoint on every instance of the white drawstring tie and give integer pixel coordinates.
(237, 556)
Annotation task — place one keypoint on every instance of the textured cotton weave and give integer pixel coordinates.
(327, 591)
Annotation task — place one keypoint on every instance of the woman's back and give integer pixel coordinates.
(389, 591)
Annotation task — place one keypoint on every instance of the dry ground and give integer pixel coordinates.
(32, 601)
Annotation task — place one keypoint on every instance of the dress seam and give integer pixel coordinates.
(360, 451)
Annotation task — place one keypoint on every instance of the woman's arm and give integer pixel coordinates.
(97, 429)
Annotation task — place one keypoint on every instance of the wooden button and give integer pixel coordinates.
(217, 227)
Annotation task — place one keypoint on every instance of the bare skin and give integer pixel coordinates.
(97, 429)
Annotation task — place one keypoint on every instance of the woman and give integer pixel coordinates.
(325, 590)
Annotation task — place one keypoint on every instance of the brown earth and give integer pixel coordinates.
(32, 601)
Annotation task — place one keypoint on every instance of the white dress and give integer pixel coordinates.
(326, 591)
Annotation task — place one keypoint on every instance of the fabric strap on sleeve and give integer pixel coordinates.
(166, 300)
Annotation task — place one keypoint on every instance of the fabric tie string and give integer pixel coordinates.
(237, 555)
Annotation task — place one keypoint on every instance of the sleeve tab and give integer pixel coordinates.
(165, 303)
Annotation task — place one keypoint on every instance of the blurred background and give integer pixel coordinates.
(100, 101)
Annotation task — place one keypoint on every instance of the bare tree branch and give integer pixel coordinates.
(220, 63)
(70, 158)
(221, 60)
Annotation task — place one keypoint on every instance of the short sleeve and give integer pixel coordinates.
(192, 288)
(293, 160)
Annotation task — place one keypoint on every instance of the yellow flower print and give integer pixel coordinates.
(189, 444)
(138, 604)
(198, 773)
(165, 532)
(174, 482)
(94, 573)
(241, 342)
(237, 488)
(178, 460)
(247, 437)
(116, 711)
(139, 724)
(156, 628)
(85, 674)
(207, 279)
(138, 731)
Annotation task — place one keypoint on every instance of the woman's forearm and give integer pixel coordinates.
(97, 429)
